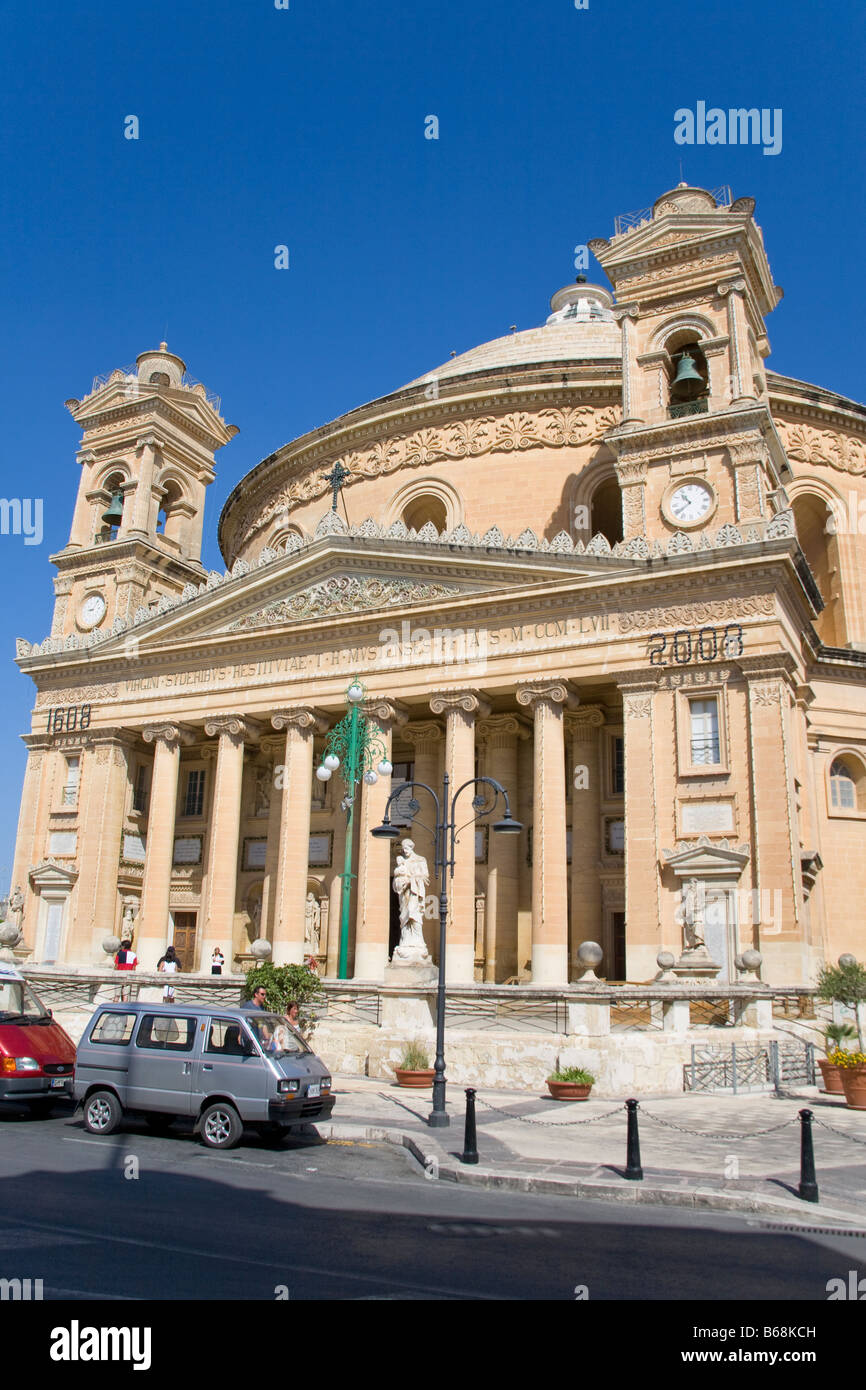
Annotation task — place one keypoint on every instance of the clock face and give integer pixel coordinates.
(92, 611)
(690, 502)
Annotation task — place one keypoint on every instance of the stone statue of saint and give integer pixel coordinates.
(312, 924)
(262, 792)
(15, 911)
(693, 915)
(410, 884)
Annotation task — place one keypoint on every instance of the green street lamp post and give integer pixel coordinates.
(354, 746)
(445, 835)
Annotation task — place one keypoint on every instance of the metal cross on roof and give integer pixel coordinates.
(336, 478)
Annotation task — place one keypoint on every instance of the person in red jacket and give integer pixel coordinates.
(126, 959)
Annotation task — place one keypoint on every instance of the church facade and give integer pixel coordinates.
(612, 562)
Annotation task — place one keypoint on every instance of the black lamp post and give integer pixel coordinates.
(445, 835)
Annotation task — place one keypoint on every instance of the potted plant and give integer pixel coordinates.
(852, 1069)
(414, 1068)
(570, 1083)
(835, 1034)
(845, 983)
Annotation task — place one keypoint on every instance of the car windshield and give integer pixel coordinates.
(17, 1000)
(275, 1035)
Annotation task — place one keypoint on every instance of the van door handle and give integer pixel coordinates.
(206, 1066)
(187, 1068)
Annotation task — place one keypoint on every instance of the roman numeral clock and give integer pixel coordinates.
(689, 503)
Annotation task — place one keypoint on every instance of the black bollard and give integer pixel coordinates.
(470, 1142)
(633, 1170)
(808, 1179)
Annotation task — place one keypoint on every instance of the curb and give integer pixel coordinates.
(631, 1193)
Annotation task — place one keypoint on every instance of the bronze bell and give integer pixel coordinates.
(688, 383)
(114, 515)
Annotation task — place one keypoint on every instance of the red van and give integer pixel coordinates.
(37, 1057)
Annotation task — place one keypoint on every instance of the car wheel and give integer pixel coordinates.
(102, 1112)
(159, 1123)
(220, 1126)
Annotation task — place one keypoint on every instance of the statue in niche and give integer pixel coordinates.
(312, 924)
(693, 914)
(262, 796)
(411, 877)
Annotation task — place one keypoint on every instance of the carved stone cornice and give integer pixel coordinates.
(422, 732)
(468, 701)
(547, 693)
(623, 311)
(300, 717)
(778, 665)
(172, 735)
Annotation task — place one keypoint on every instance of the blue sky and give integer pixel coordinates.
(305, 127)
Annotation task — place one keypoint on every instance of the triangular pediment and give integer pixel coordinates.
(49, 874)
(704, 858)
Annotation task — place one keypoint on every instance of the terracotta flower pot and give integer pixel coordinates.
(854, 1086)
(832, 1076)
(569, 1090)
(414, 1078)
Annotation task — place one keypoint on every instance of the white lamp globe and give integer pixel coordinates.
(385, 768)
(370, 778)
(332, 762)
(355, 694)
(323, 774)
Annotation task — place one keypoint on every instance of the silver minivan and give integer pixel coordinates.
(221, 1066)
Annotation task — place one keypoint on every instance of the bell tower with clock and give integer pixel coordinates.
(697, 444)
(150, 434)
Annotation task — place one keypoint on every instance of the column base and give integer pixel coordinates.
(288, 953)
(460, 965)
(371, 960)
(549, 965)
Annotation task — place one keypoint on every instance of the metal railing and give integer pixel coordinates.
(742, 1067)
(627, 221)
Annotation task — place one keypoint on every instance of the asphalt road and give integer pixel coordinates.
(134, 1215)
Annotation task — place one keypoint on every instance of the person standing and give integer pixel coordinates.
(217, 961)
(126, 959)
(169, 965)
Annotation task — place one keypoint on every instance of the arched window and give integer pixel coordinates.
(606, 510)
(427, 507)
(816, 532)
(689, 381)
(159, 379)
(114, 510)
(847, 790)
(169, 516)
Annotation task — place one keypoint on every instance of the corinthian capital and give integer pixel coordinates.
(469, 701)
(300, 717)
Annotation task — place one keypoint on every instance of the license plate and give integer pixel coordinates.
(314, 1088)
(57, 1082)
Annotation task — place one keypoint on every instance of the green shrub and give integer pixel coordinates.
(837, 1033)
(283, 983)
(415, 1057)
(845, 984)
(583, 1078)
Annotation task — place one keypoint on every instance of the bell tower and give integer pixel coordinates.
(697, 444)
(150, 434)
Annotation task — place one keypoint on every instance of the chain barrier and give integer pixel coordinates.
(548, 1124)
(717, 1134)
(833, 1130)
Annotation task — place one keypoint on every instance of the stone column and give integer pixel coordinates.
(776, 878)
(584, 725)
(103, 790)
(461, 708)
(426, 738)
(156, 884)
(631, 475)
(546, 699)
(741, 377)
(498, 737)
(272, 746)
(642, 884)
(301, 725)
(335, 896)
(219, 918)
(31, 841)
(626, 315)
(372, 918)
(139, 508)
